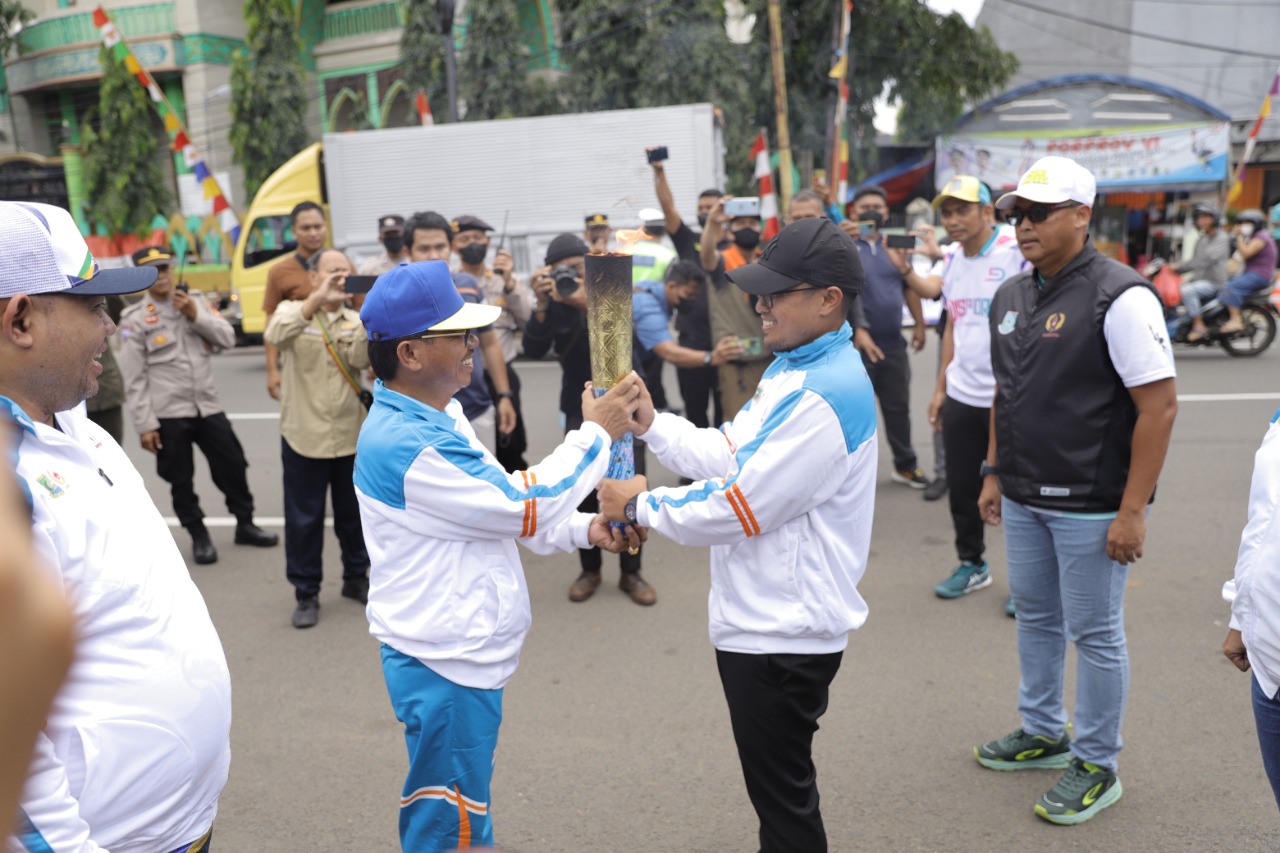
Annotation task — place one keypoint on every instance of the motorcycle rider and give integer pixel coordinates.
(1258, 251)
(1206, 270)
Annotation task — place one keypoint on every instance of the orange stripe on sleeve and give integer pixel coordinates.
(742, 519)
(533, 527)
(524, 530)
(746, 507)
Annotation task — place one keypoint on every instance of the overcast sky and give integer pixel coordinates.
(887, 116)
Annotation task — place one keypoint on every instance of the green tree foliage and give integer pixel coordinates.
(123, 176)
(493, 77)
(268, 92)
(657, 53)
(422, 55)
(933, 65)
(12, 13)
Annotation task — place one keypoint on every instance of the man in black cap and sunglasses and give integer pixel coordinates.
(784, 495)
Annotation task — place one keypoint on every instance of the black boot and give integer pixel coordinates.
(202, 549)
(248, 533)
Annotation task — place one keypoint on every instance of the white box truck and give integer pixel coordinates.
(538, 176)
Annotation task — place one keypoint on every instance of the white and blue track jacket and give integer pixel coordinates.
(785, 501)
(441, 518)
(136, 749)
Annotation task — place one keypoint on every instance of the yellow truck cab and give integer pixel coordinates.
(267, 236)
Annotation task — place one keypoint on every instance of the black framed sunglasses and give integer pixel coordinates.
(1037, 213)
(767, 300)
(469, 336)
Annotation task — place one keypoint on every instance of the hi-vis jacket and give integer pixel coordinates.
(785, 501)
(137, 746)
(441, 518)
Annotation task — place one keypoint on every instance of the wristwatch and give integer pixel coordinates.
(630, 509)
(505, 395)
(706, 359)
(988, 469)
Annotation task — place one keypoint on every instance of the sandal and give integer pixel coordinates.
(1230, 328)
(1195, 336)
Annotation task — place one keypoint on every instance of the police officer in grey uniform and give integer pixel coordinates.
(166, 340)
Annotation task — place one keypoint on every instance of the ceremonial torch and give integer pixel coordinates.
(609, 333)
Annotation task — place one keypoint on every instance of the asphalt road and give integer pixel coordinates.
(616, 736)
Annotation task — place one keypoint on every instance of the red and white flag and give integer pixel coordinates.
(764, 174)
(424, 109)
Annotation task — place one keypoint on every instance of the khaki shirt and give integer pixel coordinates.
(164, 358)
(517, 308)
(320, 414)
(380, 263)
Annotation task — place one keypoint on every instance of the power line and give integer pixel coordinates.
(1132, 32)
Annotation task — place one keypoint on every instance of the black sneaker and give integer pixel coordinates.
(307, 613)
(935, 490)
(913, 477)
(357, 589)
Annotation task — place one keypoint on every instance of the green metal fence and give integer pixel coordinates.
(362, 20)
(154, 19)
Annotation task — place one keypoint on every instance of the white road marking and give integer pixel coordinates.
(229, 521)
(1227, 398)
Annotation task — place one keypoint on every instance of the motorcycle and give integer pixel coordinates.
(1258, 314)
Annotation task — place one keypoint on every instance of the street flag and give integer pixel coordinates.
(764, 174)
(179, 139)
(840, 131)
(424, 109)
(1237, 185)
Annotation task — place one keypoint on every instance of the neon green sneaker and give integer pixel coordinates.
(1021, 751)
(1083, 791)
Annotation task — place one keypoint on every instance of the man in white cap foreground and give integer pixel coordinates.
(784, 495)
(1084, 405)
(447, 594)
(136, 749)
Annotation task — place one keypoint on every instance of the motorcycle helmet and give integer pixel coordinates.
(1205, 209)
(1253, 215)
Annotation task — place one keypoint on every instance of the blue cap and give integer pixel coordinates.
(420, 297)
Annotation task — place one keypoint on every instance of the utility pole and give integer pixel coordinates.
(780, 103)
(446, 10)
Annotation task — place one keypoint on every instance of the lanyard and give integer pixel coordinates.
(337, 359)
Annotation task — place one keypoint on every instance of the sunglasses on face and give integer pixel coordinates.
(768, 299)
(1037, 213)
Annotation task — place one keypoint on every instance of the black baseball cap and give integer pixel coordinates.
(810, 251)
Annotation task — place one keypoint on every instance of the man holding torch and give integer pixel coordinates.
(447, 595)
(784, 495)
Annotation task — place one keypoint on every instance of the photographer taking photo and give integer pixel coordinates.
(559, 325)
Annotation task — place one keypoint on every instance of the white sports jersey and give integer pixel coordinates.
(967, 287)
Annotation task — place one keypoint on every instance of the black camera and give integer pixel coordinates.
(566, 279)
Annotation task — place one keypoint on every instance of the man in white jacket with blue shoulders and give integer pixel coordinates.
(784, 495)
(441, 516)
(135, 751)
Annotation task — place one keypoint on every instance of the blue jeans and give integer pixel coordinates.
(1236, 289)
(1266, 712)
(1194, 293)
(1066, 588)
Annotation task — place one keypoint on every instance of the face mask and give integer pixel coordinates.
(746, 238)
(473, 253)
(874, 217)
(394, 243)
(702, 220)
(1246, 228)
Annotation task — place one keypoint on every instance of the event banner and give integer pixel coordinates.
(1118, 159)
